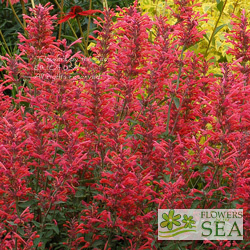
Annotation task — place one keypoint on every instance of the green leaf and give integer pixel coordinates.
(11, 223)
(171, 246)
(166, 177)
(36, 241)
(204, 169)
(218, 75)
(195, 204)
(219, 28)
(26, 204)
(61, 247)
(235, 203)
(37, 224)
(3, 52)
(206, 36)
(198, 194)
(20, 231)
(98, 243)
(48, 234)
(56, 229)
(71, 38)
(53, 227)
(79, 194)
(177, 102)
(59, 202)
(206, 7)
(153, 243)
(220, 6)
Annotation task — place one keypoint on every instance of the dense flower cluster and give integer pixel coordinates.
(90, 149)
(13, 1)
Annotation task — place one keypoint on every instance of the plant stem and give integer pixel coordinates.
(214, 176)
(156, 10)
(18, 214)
(82, 35)
(37, 180)
(105, 4)
(178, 113)
(169, 109)
(60, 27)
(180, 69)
(33, 4)
(235, 5)
(24, 12)
(6, 46)
(15, 14)
(216, 24)
(90, 6)
(193, 244)
(177, 87)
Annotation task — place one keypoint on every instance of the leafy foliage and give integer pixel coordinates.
(219, 13)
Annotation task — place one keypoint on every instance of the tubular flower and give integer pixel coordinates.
(13, 2)
(76, 11)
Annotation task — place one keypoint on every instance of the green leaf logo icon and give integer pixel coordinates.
(170, 220)
(188, 221)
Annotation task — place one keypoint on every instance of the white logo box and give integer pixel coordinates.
(200, 224)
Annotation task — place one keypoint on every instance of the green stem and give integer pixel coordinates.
(17, 209)
(90, 6)
(180, 69)
(235, 5)
(123, 108)
(215, 173)
(214, 30)
(105, 4)
(37, 180)
(24, 12)
(178, 113)
(193, 245)
(82, 35)
(18, 214)
(156, 8)
(50, 206)
(6, 46)
(15, 14)
(177, 87)
(60, 27)
(169, 110)
(33, 4)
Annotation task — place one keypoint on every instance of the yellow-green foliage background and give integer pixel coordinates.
(219, 15)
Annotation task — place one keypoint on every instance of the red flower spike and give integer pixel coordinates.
(76, 11)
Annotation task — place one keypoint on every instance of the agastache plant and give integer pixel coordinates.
(91, 148)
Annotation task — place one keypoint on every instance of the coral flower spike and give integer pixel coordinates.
(78, 11)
